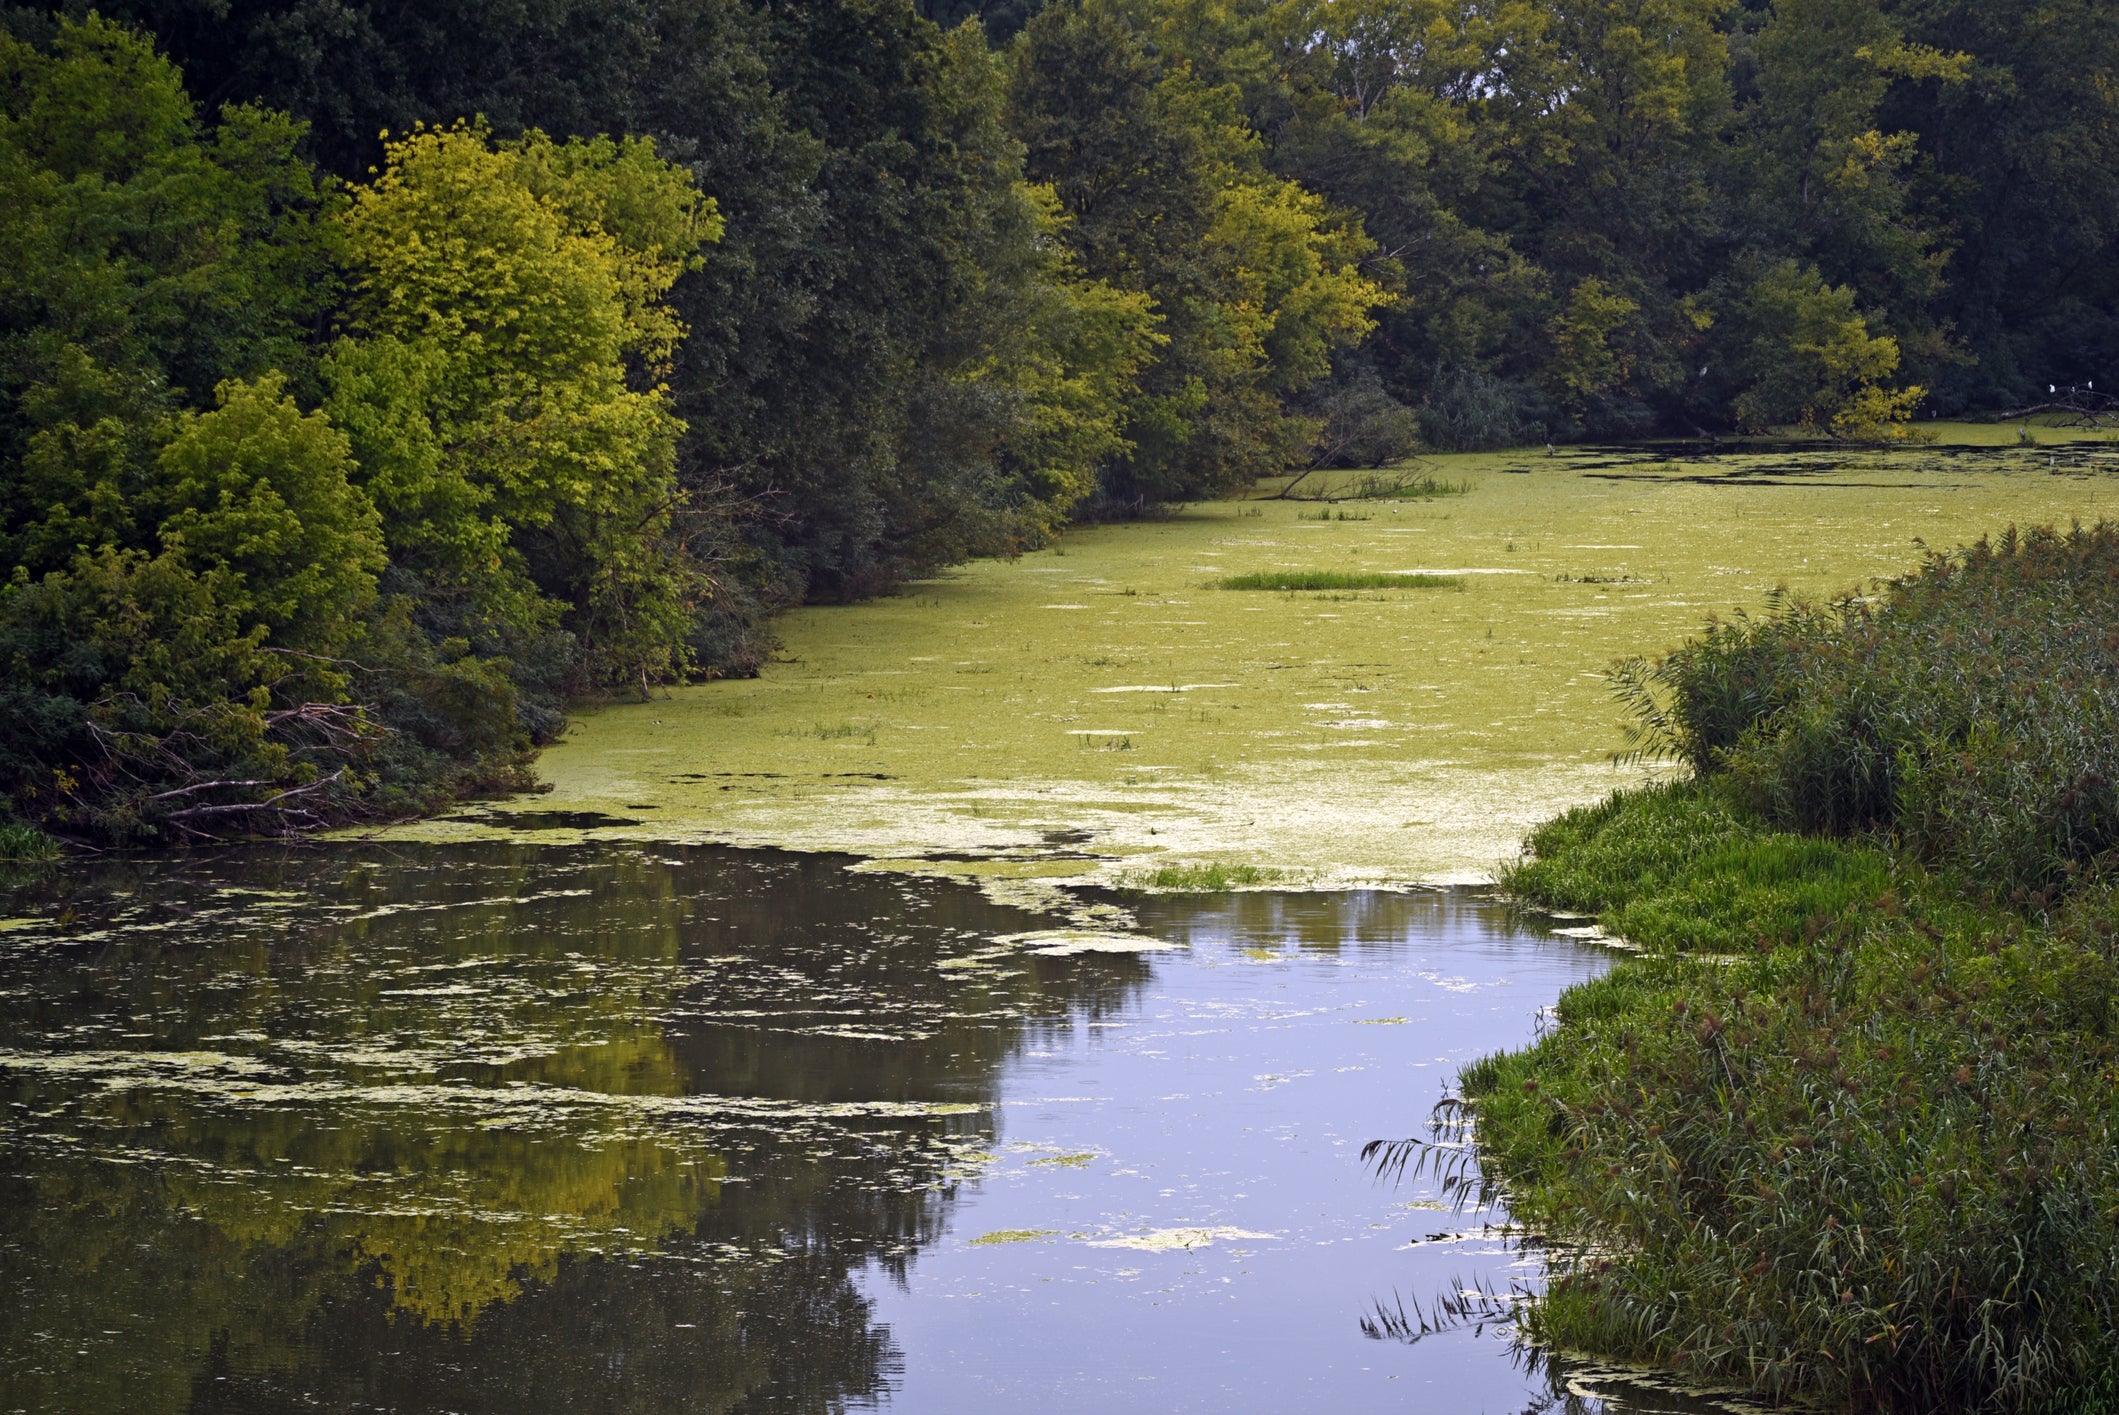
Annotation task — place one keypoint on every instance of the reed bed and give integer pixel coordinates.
(1843, 1133)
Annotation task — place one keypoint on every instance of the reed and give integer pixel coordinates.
(1843, 1132)
(1297, 581)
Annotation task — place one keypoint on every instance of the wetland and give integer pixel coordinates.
(989, 1003)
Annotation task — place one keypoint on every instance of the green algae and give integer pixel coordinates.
(1092, 706)
(1003, 1236)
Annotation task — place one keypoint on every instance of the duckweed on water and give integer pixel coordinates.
(1389, 737)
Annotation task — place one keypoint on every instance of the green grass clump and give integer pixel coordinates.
(1298, 580)
(1679, 868)
(1869, 1163)
(19, 841)
(1206, 879)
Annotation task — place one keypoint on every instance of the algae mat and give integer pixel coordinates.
(1102, 710)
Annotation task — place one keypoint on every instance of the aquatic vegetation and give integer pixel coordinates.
(1301, 580)
(1485, 707)
(1212, 878)
(1968, 708)
(1002, 1237)
(21, 841)
(1863, 1158)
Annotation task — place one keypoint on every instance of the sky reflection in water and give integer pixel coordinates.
(508, 1127)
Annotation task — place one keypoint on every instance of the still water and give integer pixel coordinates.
(510, 1127)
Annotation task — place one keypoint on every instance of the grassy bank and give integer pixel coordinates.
(1843, 1129)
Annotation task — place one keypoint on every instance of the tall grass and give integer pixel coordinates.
(1972, 709)
(1212, 878)
(1869, 1161)
(19, 841)
(1844, 1132)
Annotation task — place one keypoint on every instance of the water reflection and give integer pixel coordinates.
(508, 1127)
(275, 1116)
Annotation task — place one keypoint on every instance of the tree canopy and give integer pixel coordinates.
(375, 380)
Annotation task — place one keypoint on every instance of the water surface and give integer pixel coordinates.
(594, 1127)
(1106, 689)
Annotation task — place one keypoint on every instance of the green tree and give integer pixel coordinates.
(259, 494)
(1809, 359)
(511, 318)
(1167, 193)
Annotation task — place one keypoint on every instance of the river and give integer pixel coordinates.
(502, 1127)
(836, 1041)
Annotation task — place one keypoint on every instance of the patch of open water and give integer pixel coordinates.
(509, 1126)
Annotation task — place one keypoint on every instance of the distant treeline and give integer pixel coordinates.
(376, 379)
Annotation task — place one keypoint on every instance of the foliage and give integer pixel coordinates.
(1841, 1133)
(1169, 195)
(898, 282)
(508, 301)
(1812, 362)
(1862, 1161)
(20, 842)
(1966, 711)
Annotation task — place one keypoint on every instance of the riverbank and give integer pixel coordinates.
(1841, 1131)
(1101, 712)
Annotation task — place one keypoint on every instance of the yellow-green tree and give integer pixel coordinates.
(1168, 194)
(503, 386)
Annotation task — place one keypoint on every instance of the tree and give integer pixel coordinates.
(510, 313)
(259, 494)
(1168, 195)
(1810, 359)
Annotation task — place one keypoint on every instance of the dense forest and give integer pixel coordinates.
(375, 380)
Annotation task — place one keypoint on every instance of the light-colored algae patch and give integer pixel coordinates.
(1100, 711)
(1065, 943)
(1002, 1236)
(1174, 1240)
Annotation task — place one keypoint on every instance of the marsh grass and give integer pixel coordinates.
(1968, 709)
(1861, 1157)
(1304, 580)
(1400, 484)
(836, 731)
(1843, 1132)
(21, 842)
(1213, 878)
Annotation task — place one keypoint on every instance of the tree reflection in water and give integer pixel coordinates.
(490, 1128)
